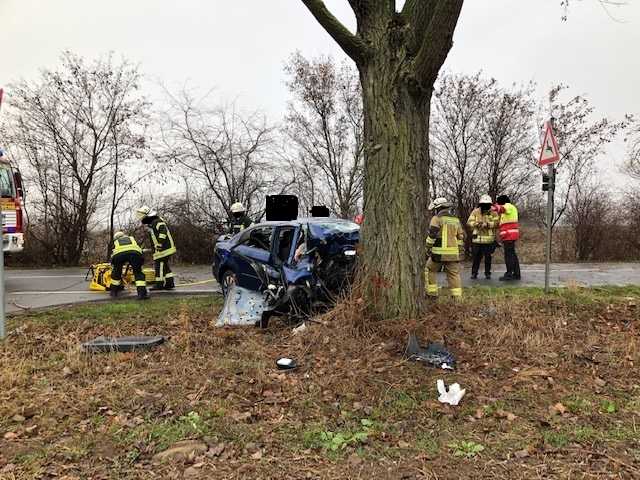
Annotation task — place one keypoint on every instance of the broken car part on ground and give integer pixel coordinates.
(297, 267)
(435, 355)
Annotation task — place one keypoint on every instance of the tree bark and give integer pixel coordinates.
(396, 195)
(399, 55)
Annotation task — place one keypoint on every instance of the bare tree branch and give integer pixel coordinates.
(437, 41)
(352, 44)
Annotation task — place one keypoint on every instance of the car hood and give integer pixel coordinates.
(331, 238)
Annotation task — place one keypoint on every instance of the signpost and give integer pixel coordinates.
(549, 155)
(2, 329)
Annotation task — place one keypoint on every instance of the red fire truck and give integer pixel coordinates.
(11, 195)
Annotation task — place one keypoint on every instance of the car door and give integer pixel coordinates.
(252, 256)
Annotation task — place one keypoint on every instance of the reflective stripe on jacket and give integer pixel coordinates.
(509, 227)
(125, 244)
(161, 238)
(446, 236)
(484, 235)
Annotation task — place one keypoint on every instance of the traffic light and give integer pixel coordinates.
(546, 182)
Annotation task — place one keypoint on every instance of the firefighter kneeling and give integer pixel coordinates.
(445, 239)
(126, 250)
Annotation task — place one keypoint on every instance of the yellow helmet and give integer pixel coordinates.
(237, 208)
(438, 203)
(144, 212)
(118, 235)
(486, 199)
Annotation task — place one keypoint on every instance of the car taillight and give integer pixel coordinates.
(18, 217)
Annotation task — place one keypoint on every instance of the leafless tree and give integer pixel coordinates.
(589, 215)
(459, 106)
(74, 131)
(325, 122)
(632, 164)
(581, 140)
(482, 139)
(509, 142)
(226, 153)
(307, 181)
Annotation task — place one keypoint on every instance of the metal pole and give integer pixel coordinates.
(551, 171)
(2, 329)
(547, 266)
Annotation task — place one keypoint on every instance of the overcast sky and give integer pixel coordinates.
(239, 46)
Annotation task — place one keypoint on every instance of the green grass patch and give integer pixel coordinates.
(113, 313)
(338, 440)
(466, 448)
(572, 296)
(586, 434)
(162, 434)
(556, 439)
(578, 405)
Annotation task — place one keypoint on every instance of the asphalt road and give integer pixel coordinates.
(35, 289)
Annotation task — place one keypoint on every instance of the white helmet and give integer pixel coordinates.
(237, 208)
(118, 235)
(144, 212)
(486, 199)
(439, 202)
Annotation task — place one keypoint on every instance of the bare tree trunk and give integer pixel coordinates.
(396, 200)
(114, 196)
(399, 55)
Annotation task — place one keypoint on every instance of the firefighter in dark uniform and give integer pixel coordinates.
(127, 251)
(240, 220)
(163, 247)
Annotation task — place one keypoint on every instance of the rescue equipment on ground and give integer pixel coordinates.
(101, 277)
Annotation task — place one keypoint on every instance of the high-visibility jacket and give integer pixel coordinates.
(509, 227)
(445, 238)
(161, 238)
(125, 244)
(483, 235)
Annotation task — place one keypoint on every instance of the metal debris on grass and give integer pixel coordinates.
(435, 355)
(122, 344)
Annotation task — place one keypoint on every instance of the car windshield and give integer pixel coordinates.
(325, 229)
(6, 183)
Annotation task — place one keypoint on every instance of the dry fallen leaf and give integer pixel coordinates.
(504, 414)
(10, 436)
(600, 382)
(257, 455)
(522, 453)
(403, 444)
(557, 409)
(31, 429)
(241, 417)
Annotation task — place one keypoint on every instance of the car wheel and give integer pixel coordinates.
(228, 280)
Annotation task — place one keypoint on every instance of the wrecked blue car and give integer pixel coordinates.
(295, 267)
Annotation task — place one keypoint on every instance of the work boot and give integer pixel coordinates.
(474, 276)
(507, 277)
(169, 284)
(157, 286)
(487, 276)
(142, 293)
(113, 292)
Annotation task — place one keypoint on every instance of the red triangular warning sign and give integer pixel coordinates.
(549, 153)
